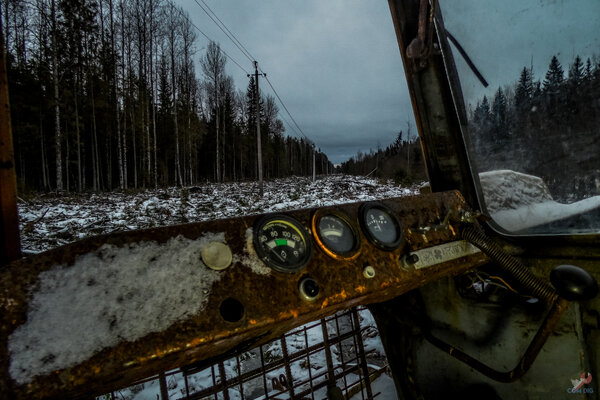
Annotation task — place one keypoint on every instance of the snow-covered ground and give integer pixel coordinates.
(48, 221)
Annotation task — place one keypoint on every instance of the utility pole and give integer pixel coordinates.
(314, 169)
(408, 150)
(258, 140)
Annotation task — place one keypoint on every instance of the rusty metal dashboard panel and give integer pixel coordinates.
(101, 313)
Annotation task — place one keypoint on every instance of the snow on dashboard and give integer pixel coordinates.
(108, 296)
(518, 201)
(250, 258)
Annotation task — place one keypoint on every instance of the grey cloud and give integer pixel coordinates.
(335, 64)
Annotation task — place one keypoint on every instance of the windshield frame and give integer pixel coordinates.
(440, 112)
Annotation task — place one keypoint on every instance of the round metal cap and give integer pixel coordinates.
(369, 272)
(217, 255)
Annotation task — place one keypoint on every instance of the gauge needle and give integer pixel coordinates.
(277, 254)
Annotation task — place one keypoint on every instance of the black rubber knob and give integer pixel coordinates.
(573, 283)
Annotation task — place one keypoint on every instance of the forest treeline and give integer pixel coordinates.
(546, 128)
(401, 161)
(105, 94)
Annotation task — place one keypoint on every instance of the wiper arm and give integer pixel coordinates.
(421, 46)
(467, 59)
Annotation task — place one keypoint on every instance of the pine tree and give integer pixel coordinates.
(251, 106)
(554, 77)
(398, 142)
(482, 111)
(576, 72)
(499, 109)
(524, 91)
(588, 69)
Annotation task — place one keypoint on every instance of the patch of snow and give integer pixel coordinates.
(518, 201)
(542, 213)
(506, 189)
(250, 258)
(110, 295)
(371, 340)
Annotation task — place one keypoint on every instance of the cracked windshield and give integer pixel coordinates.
(534, 130)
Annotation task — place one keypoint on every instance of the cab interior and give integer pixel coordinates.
(466, 307)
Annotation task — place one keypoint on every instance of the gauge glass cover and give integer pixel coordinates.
(282, 243)
(381, 227)
(336, 234)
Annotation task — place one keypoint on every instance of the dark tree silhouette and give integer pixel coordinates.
(545, 130)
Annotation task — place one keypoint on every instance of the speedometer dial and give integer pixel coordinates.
(282, 243)
(380, 226)
(335, 234)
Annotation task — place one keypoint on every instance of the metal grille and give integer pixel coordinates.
(326, 356)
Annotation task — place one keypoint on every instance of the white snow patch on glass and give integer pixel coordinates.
(108, 296)
(518, 201)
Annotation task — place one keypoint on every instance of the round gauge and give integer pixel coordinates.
(282, 243)
(335, 234)
(380, 226)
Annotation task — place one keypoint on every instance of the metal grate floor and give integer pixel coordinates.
(324, 358)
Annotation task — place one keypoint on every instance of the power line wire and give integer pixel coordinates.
(285, 108)
(207, 37)
(294, 131)
(248, 55)
(222, 30)
(239, 44)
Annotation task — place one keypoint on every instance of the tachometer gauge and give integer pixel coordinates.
(335, 234)
(380, 226)
(282, 243)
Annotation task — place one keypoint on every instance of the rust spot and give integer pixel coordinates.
(196, 342)
(131, 363)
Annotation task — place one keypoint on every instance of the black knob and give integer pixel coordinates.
(412, 259)
(573, 283)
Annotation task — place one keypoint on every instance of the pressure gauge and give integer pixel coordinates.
(335, 234)
(282, 243)
(380, 226)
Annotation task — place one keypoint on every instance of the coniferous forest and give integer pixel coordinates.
(105, 95)
(547, 128)
(401, 161)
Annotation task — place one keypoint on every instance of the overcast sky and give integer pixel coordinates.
(335, 64)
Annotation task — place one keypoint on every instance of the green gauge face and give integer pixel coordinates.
(336, 235)
(282, 243)
(380, 226)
